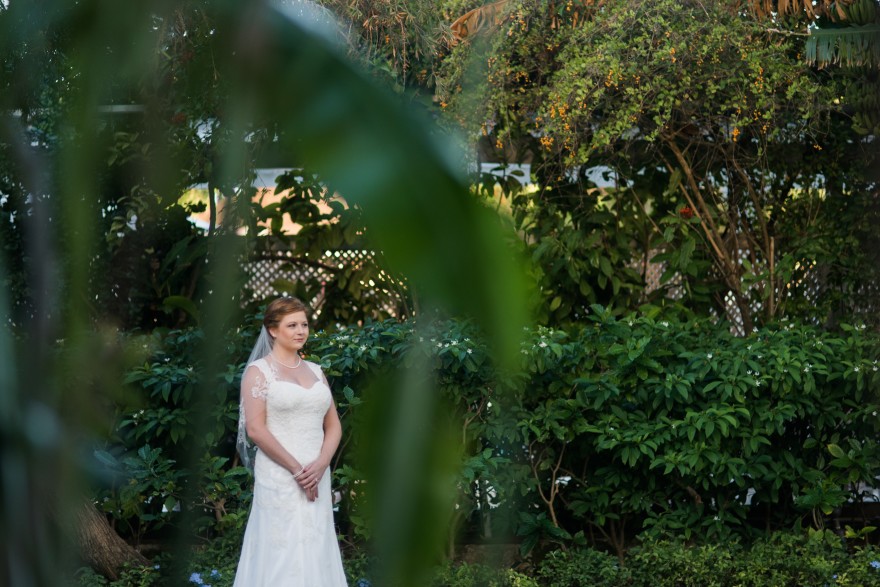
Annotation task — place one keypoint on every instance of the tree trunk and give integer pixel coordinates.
(99, 546)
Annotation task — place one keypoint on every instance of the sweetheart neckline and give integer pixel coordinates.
(315, 384)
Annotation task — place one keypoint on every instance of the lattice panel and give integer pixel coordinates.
(264, 272)
(805, 283)
(653, 273)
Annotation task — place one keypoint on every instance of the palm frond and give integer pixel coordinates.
(812, 8)
(485, 17)
(850, 46)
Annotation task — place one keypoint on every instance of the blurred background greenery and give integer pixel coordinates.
(166, 168)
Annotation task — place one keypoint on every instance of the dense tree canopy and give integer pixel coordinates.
(725, 147)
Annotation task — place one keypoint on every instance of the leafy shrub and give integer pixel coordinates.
(582, 568)
(675, 563)
(789, 558)
(477, 575)
(629, 426)
(639, 425)
(784, 559)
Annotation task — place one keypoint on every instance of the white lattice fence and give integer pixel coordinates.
(805, 283)
(264, 273)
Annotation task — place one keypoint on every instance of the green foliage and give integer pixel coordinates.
(293, 90)
(582, 251)
(129, 577)
(680, 429)
(782, 559)
(477, 575)
(718, 141)
(397, 39)
(627, 427)
(350, 291)
(582, 568)
(150, 491)
(146, 459)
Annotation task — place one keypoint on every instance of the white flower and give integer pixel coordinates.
(439, 345)
(664, 323)
(470, 351)
(855, 369)
(709, 356)
(363, 347)
(749, 372)
(543, 345)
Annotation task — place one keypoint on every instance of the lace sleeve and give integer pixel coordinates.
(254, 389)
(254, 383)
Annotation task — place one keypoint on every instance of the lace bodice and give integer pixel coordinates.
(294, 415)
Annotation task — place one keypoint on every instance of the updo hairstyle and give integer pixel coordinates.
(281, 307)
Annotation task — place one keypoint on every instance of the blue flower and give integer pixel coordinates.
(156, 567)
(875, 564)
(196, 578)
(215, 573)
(363, 583)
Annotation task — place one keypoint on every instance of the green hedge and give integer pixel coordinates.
(784, 560)
(628, 427)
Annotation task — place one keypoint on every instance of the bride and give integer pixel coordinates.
(287, 411)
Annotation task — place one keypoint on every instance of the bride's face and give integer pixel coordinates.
(292, 332)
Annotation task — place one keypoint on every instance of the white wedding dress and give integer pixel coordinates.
(290, 541)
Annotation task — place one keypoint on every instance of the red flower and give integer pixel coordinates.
(178, 118)
(687, 212)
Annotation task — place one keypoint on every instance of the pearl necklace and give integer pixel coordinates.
(274, 358)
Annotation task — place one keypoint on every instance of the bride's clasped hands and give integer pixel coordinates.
(310, 476)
